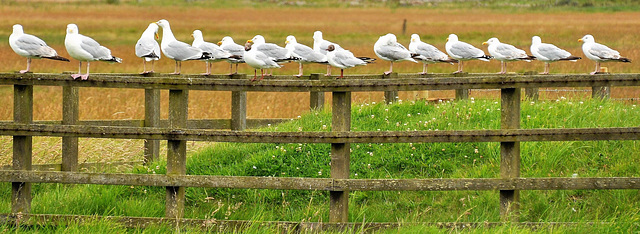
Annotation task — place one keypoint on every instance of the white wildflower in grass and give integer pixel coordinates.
(373, 103)
(254, 167)
(324, 126)
(373, 116)
(386, 110)
(370, 153)
(475, 151)
(319, 172)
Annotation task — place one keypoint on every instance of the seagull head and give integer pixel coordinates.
(536, 40)
(415, 37)
(587, 38)
(317, 36)
(197, 35)
(391, 38)
(17, 29)
(72, 29)
(258, 39)
(291, 40)
(153, 27)
(452, 37)
(163, 23)
(226, 40)
(491, 41)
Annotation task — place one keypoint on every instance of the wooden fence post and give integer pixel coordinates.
(533, 92)
(176, 152)
(70, 113)
(239, 107)
(510, 153)
(151, 119)
(340, 156)
(316, 99)
(22, 148)
(601, 92)
(390, 96)
(461, 94)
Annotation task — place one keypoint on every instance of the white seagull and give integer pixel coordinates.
(83, 48)
(427, 54)
(148, 48)
(599, 52)
(217, 54)
(321, 45)
(230, 46)
(463, 51)
(344, 59)
(506, 53)
(304, 53)
(258, 60)
(387, 48)
(274, 51)
(177, 50)
(30, 46)
(549, 53)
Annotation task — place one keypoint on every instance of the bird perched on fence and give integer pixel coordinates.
(427, 54)
(321, 45)
(599, 52)
(344, 59)
(31, 47)
(83, 48)
(387, 48)
(463, 51)
(506, 53)
(258, 60)
(276, 52)
(217, 54)
(148, 48)
(230, 46)
(549, 53)
(177, 50)
(305, 53)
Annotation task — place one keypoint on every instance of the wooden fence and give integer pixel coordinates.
(178, 129)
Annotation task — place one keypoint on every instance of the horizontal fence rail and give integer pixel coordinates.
(178, 129)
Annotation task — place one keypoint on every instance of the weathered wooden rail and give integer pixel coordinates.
(178, 129)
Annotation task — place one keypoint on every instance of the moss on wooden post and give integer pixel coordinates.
(176, 152)
(151, 119)
(70, 113)
(510, 153)
(391, 96)
(316, 99)
(22, 148)
(340, 153)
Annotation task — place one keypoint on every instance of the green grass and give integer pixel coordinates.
(618, 209)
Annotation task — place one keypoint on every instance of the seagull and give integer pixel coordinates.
(427, 53)
(83, 48)
(463, 51)
(217, 54)
(30, 46)
(230, 46)
(599, 52)
(387, 48)
(258, 60)
(148, 48)
(344, 59)
(305, 53)
(549, 53)
(177, 50)
(322, 45)
(274, 51)
(506, 53)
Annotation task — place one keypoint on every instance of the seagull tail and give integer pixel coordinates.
(451, 61)
(367, 59)
(205, 56)
(57, 57)
(113, 59)
(152, 55)
(485, 58)
(572, 58)
(624, 60)
(528, 58)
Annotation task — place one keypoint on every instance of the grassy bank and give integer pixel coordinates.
(618, 209)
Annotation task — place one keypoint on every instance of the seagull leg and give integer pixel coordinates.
(390, 70)
(207, 67)
(236, 69)
(341, 74)
(28, 66)
(255, 74)
(175, 70)
(75, 76)
(460, 66)
(86, 76)
(152, 63)
(597, 68)
(262, 72)
(328, 70)
(144, 67)
(299, 70)
(424, 69)
(546, 69)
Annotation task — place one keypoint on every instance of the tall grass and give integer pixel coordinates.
(618, 208)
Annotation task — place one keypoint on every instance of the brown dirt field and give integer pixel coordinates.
(357, 29)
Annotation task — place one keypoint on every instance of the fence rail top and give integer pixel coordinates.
(402, 82)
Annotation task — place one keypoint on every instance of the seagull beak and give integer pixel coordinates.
(250, 41)
(447, 39)
(157, 36)
(192, 35)
(580, 40)
(220, 43)
(286, 42)
(485, 43)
